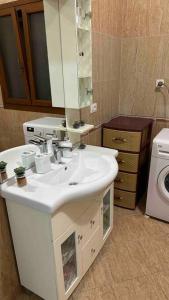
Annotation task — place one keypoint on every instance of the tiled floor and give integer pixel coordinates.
(133, 265)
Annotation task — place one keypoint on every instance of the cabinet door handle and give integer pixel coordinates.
(88, 15)
(81, 53)
(119, 180)
(120, 161)
(93, 250)
(89, 92)
(119, 139)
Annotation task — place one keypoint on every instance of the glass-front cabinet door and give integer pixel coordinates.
(107, 212)
(68, 262)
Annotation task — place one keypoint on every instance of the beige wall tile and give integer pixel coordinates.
(159, 17)
(106, 94)
(106, 57)
(94, 138)
(145, 18)
(107, 16)
(143, 60)
(135, 18)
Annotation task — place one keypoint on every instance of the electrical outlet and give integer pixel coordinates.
(157, 83)
(93, 108)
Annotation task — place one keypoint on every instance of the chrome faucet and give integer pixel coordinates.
(40, 142)
(57, 148)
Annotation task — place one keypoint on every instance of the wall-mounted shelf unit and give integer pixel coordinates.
(75, 20)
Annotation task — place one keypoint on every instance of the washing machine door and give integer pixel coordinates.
(163, 182)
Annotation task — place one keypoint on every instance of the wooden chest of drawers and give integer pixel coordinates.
(131, 136)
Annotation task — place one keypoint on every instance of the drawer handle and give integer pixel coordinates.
(119, 180)
(120, 161)
(93, 250)
(118, 198)
(119, 139)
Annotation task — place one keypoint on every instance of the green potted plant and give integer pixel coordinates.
(3, 175)
(3, 165)
(20, 176)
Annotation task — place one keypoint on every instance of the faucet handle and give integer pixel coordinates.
(35, 142)
(41, 139)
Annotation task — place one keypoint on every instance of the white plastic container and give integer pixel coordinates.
(42, 163)
(28, 159)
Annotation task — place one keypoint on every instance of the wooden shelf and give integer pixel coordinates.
(82, 130)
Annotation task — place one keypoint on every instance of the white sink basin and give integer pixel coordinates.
(85, 175)
(86, 167)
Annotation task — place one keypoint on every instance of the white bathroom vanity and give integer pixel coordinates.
(60, 220)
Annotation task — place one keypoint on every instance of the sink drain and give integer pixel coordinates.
(73, 183)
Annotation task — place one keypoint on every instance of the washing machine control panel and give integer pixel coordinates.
(160, 150)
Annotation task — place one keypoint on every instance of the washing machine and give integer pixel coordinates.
(158, 188)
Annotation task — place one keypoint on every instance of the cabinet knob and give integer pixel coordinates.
(119, 180)
(119, 139)
(118, 198)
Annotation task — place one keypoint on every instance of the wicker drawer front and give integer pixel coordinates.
(124, 199)
(122, 140)
(126, 181)
(128, 162)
